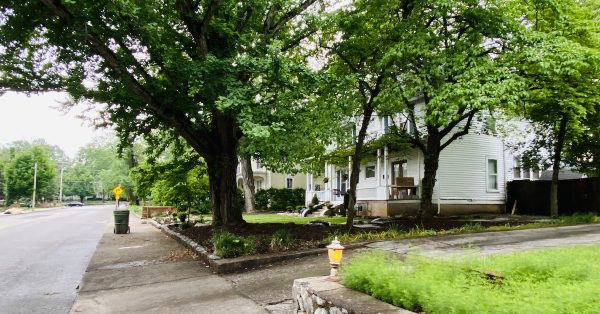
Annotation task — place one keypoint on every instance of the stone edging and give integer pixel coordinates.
(318, 295)
(237, 264)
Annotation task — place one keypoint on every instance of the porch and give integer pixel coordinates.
(402, 191)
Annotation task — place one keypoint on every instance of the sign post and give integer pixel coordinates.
(117, 191)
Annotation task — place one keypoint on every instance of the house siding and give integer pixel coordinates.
(278, 180)
(462, 173)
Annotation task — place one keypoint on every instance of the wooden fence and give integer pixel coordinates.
(533, 197)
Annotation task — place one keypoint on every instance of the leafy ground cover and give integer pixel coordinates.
(564, 280)
(264, 232)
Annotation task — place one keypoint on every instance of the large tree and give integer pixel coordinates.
(561, 63)
(196, 68)
(78, 181)
(105, 167)
(19, 174)
(440, 62)
(451, 65)
(356, 48)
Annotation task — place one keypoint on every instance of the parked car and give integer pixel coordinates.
(74, 203)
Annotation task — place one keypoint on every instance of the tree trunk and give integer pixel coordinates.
(221, 164)
(248, 178)
(560, 141)
(226, 209)
(355, 164)
(431, 160)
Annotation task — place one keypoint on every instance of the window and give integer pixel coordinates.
(517, 168)
(317, 187)
(526, 173)
(386, 124)
(492, 175)
(289, 183)
(258, 164)
(536, 174)
(354, 134)
(258, 185)
(370, 172)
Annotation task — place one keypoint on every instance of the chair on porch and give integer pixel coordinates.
(403, 187)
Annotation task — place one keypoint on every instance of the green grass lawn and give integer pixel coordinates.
(563, 280)
(275, 218)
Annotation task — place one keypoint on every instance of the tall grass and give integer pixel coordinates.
(564, 280)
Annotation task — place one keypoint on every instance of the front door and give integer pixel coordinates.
(398, 171)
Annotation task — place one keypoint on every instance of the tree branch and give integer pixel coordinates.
(210, 12)
(455, 122)
(464, 131)
(415, 137)
(289, 15)
(352, 67)
(183, 126)
(244, 19)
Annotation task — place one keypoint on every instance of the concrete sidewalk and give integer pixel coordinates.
(148, 272)
(487, 243)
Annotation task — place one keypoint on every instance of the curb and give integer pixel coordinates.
(239, 264)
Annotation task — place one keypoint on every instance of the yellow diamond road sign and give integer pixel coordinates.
(117, 191)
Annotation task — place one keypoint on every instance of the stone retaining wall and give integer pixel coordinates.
(242, 263)
(318, 295)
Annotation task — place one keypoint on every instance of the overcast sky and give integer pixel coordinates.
(31, 117)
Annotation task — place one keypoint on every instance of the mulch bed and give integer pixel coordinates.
(313, 236)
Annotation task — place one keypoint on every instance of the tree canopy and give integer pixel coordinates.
(19, 175)
(202, 70)
(561, 63)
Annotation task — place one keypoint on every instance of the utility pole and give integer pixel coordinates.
(60, 196)
(34, 185)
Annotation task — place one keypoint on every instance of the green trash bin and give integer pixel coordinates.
(121, 221)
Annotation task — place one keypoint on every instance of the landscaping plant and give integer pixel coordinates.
(229, 245)
(280, 240)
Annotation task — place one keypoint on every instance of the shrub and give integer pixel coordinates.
(281, 239)
(203, 208)
(229, 245)
(315, 199)
(182, 216)
(186, 225)
(279, 199)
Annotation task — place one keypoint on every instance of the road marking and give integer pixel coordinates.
(131, 247)
(14, 224)
(37, 218)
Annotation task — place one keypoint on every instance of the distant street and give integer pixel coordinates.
(43, 256)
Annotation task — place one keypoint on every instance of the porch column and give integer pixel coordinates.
(268, 180)
(378, 167)
(385, 162)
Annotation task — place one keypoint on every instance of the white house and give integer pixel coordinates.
(266, 179)
(471, 178)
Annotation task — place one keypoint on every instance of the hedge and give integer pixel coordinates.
(279, 199)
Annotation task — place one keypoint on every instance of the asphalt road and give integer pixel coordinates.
(43, 256)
